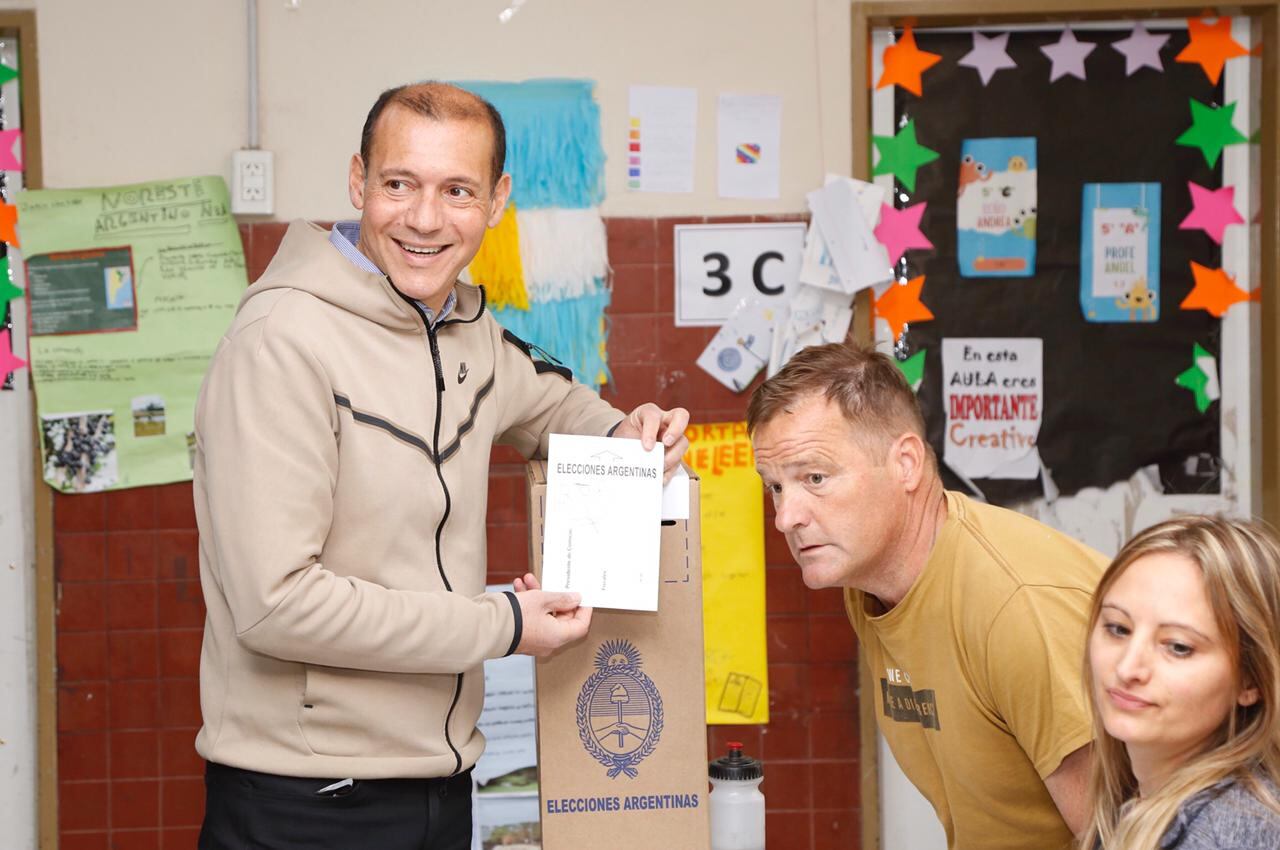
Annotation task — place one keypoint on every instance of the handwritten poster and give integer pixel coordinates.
(733, 609)
(130, 289)
(994, 398)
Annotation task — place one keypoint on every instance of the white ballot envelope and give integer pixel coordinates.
(603, 521)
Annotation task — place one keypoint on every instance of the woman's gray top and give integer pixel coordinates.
(1226, 816)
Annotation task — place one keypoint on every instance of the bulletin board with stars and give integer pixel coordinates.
(1118, 129)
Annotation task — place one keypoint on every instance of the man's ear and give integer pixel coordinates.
(355, 181)
(909, 458)
(498, 203)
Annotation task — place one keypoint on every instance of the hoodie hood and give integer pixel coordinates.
(303, 262)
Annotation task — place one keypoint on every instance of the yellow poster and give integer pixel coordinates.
(733, 607)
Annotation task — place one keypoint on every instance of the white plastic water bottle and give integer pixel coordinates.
(737, 806)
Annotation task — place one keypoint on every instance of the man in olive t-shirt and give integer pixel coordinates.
(971, 617)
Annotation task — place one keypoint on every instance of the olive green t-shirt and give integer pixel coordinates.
(980, 691)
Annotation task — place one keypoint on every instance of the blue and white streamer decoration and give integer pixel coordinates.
(556, 163)
(563, 252)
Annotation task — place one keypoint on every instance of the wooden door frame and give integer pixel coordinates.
(974, 13)
(22, 23)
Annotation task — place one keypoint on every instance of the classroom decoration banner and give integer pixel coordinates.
(130, 289)
(544, 267)
(733, 592)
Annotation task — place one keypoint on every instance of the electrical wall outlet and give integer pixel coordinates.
(252, 178)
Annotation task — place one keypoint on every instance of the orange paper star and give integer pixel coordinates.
(904, 63)
(900, 304)
(1211, 46)
(1214, 291)
(9, 225)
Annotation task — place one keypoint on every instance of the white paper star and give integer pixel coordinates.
(1141, 50)
(988, 55)
(1067, 56)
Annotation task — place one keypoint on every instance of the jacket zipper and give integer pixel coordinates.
(448, 505)
(448, 502)
(435, 459)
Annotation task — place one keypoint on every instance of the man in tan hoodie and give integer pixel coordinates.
(343, 439)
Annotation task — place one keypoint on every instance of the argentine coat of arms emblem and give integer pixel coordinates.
(619, 710)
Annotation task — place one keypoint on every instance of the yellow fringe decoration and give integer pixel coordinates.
(497, 264)
(603, 377)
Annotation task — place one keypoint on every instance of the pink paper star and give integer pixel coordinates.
(9, 160)
(899, 230)
(1067, 56)
(1141, 50)
(988, 55)
(1211, 210)
(8, 361)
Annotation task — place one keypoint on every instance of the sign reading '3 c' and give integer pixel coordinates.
(717, 265)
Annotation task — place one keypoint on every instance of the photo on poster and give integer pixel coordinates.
(80, 451)
(75, 292)
(996, 208)
(148, 416)
(1120, 252)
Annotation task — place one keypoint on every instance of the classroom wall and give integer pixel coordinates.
(138, 90)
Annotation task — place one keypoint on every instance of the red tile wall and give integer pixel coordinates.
(129, 612)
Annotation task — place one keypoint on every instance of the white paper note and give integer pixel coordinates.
(748, 145)
(845, 212)
(603, 521)
(661, 135)
(742, 346)
(993, 394)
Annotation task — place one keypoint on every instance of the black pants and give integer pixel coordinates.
(246, 810)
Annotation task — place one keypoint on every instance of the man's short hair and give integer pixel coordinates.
(440, 102)
(870, 389)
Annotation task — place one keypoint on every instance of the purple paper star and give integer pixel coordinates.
(1067, 56)
(988, 55)
(1141, 50)
(1211, 210)
(899, 230)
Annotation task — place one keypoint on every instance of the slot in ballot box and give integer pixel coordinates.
(622, 733)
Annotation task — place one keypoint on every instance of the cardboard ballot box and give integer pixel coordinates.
(622, 734)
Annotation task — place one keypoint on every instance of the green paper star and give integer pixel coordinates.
(1195, 379)
(8, 291)
(912, 369)
(901, 155)
(7, 74)
(1211, 130)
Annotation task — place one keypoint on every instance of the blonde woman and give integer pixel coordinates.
(1183, 668)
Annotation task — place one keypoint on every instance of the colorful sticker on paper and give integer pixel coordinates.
(996, 208)
(1120, 252)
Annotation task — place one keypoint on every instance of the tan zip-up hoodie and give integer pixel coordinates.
(341, 479)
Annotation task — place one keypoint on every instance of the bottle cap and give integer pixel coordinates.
(736, 765)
